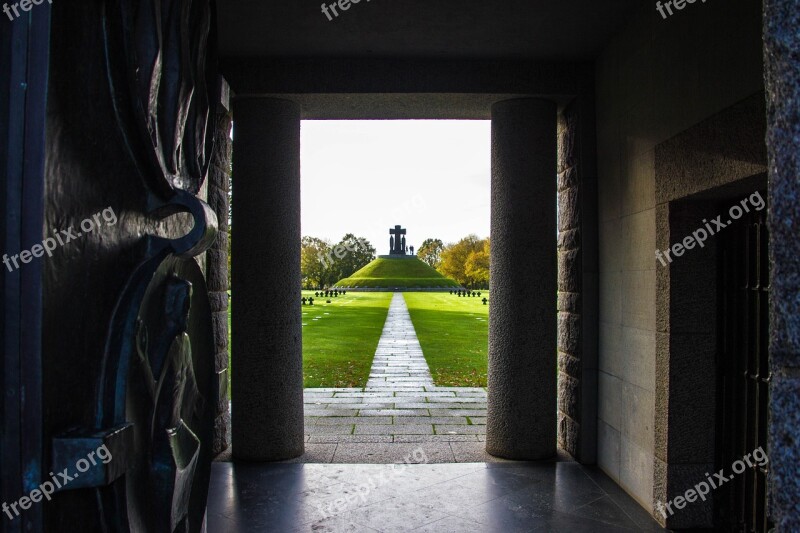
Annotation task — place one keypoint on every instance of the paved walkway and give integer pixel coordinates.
(399, 407)
(398, 362)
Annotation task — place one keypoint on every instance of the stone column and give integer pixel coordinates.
(522, 325)
(782, 70)
(267, 358)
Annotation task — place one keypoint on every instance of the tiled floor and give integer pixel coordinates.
(400, 405)
(475, 497)
(401, 417)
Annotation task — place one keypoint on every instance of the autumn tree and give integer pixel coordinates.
(476, 267)
(454, 259)
(431, 251)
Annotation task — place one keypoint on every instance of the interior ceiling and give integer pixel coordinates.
(541, 30)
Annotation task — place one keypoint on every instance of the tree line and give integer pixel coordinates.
(322, 264)
(466, 261)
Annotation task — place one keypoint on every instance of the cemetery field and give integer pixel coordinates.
(454, 335)
(340, 338)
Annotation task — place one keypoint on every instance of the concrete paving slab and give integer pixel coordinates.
(430, 420)
(335, 439)
(444, 429)
(434, 452)
(393, 412)
(350, 420)
(436, 438)
(395, 429)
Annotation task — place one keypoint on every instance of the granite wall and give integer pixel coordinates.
(728, 151)
(654, 80)
(782, 59)
(217, 271)
(577, 280)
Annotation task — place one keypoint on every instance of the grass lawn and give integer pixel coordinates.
(340, 338)
(339, 346)
(454, 334)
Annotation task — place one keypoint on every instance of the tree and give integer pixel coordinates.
(476, 268)
(431, 251)
(313, 267)
(454, 259)
(351, 254)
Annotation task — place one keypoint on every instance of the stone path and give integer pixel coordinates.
(398, 362)
(399, 407)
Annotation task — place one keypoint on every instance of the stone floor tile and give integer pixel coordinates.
(430, 420)
(350, 420)
(436, 438)
(329, 430)
(314, 412)
(444, 429)
(395, 429)
(333, 439)
(431, 452)
(472, 452)
(393, 412)
(453, 411)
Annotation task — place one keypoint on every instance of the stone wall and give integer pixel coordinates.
(577, 281)
(782, 53)
(728, 151)
(654, 80)
(217, 271)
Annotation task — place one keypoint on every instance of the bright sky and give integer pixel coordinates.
(430, 176)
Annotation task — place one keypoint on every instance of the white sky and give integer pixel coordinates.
(430, 176)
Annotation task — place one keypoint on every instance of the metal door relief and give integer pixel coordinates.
(158, 390)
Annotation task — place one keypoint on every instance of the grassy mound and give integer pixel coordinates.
(397, 273)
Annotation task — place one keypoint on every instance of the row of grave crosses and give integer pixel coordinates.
(466, 294)
(471, 294)
(320, 294)
(335, 293)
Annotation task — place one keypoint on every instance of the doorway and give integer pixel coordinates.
(744, 371)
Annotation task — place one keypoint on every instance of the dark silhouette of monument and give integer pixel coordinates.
(397, 243)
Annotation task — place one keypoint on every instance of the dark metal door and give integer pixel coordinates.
(744, 373)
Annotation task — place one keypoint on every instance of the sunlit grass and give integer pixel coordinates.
(340, 338)
(454, 334)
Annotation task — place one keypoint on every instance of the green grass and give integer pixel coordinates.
(339, 345)
(391, 273)
(454, 334)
